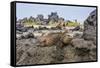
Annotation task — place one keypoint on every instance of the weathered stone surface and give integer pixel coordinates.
(25, 35)
(78, 35)
(81, 43)
(85, 50)
(39, 55)
(76, 28)
(90, 25)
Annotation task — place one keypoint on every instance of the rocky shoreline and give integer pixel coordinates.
(58, 47)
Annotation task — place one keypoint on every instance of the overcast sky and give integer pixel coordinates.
(67, 12)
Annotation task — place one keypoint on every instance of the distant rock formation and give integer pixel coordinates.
(53, 17)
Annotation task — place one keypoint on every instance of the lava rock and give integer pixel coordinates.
(90, 25)
(81, 43)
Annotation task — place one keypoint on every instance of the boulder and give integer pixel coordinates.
(81, 43)
(26, 35)
(19, 36)
(90, 27)
(77, 28)
(78, 35)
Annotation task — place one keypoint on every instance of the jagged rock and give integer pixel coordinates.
(81, 43)
(43, 28)
(53, 17)
(90, 25)
(69, 54)
(19, 36)
(40, 55)
(22, 46)
(78, 35)
(54, 28)
(40, 17)
(76, 28)
(72, 54)
(27, 35)
(32, 19)
(20, 27)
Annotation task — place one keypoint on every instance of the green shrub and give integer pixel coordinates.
(72, 24)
